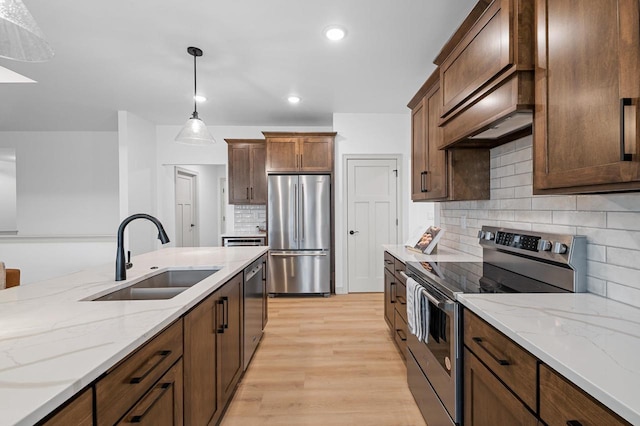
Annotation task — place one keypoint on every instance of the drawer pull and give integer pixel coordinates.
(401, 299)
(220, 329)
(573, 423)
(161, 356)
(480, 342)
(402, 335)
(225, 301)
(160, 390)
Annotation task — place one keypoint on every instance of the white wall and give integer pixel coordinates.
(67, 199)
(611, 222)
(369, 134)
(138, 180)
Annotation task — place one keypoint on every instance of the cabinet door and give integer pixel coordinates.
(78, 412)
(316, 154)
(418, 150)
(436, 176)
(258, 181)
(200, 388)
(282, 155)
(585, 137)
(229, 309)
(389, 297)
(487, 402)
(162, 404)
(239, 174)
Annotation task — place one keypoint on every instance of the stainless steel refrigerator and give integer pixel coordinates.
(299, 227)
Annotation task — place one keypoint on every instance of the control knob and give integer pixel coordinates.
(560, 248)
(544, 245)
(489, 235)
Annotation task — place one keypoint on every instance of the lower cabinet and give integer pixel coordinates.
(78, 412)
(395, 301)
(506, 385)
(212, 353)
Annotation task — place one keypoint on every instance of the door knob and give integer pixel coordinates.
(353, 232)
(192, 225)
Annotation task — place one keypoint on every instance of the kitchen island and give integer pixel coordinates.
(54, 341)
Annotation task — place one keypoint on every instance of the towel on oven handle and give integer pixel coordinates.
(417, 311)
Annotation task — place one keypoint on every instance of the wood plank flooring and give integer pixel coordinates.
(325, 361)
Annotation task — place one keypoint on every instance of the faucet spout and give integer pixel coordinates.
(121, 270)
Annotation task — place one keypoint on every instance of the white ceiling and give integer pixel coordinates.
(131, 55)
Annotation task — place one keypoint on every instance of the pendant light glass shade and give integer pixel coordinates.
(20, 37)
(194, 131)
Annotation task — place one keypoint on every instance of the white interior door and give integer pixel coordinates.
(372, 220)
(186, 217)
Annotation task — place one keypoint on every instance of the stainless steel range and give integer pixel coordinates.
(513, 261)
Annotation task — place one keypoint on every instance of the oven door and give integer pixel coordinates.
(439, 357)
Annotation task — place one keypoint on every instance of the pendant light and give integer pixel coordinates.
(20, 37)
(194, 131)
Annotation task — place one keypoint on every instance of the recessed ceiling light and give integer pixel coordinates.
(294, 99)
(335, 33)
(200, 98)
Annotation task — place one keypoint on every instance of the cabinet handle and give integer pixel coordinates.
(300, 160)
(423, 181)
(402, 335)
(252, 193)
(220, 330)
(247, 193)
(225, 310)
(389, 262)
(401, 300)
(624, 103)
(573, 423)
(159, 391)
(480, 342)
(150, 366)
(393, 292)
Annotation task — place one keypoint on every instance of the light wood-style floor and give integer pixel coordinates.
(325, 361)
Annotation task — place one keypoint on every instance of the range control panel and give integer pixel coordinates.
(521, 241)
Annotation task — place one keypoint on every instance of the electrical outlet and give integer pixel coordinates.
(463, 221)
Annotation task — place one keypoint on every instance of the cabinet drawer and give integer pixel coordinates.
(562, 402)
(513, 365)
(400, 332)
(389, 262)
(399, 267)
(78, 412)
(125, 383)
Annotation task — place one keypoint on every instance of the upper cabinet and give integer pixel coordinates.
(247, 174)
(299, 152)
(587, 94)
(486, 76)
(438, 174)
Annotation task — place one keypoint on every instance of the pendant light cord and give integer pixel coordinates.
(195, 88)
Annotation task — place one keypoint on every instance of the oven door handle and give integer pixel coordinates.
(445, 305)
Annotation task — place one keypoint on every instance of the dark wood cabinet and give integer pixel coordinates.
(299, 152)
(162, 405)
(587, 93)
(487, 401)
(135, 377)
(247, 172)
(562, 403)
(395, 301)
(436, 174)
(78, 412)
(212, 353)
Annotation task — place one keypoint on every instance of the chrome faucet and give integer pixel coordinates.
(121, 266)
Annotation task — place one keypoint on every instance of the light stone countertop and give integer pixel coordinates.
(592, 341)
(443, 254)
(53, 344)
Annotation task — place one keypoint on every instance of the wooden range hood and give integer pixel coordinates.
(487, 76)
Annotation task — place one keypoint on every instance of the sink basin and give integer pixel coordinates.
(164, 285)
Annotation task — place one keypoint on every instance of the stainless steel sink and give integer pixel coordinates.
(164, 285)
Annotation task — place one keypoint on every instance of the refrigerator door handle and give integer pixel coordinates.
(302, 199)
(295, 212)
(297, 253)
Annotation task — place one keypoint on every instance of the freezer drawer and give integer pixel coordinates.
(299, 272)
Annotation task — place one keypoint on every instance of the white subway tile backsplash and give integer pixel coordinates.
(590, 219)
(247, 218)
(611, 222)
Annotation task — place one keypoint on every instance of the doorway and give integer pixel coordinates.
(372, 219)
(186, 208)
